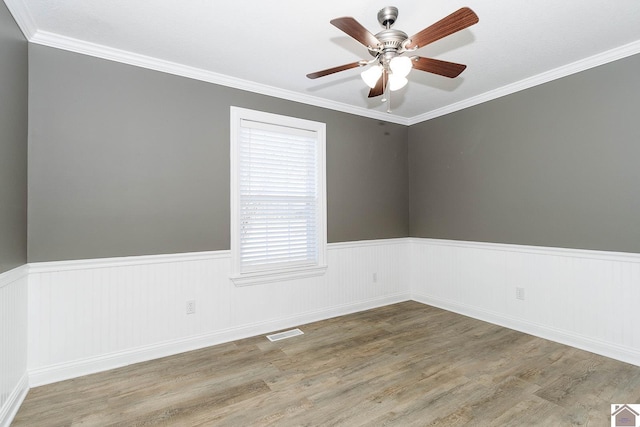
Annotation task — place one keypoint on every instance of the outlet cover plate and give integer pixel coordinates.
(191, 307)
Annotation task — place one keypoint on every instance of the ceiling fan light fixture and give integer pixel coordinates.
(396, 82)
(389, 68)
(400, 65)
(371, 75)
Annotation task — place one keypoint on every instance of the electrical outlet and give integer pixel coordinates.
(191, 307)
(520, 293)
(375, 277)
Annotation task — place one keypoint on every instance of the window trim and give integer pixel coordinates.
(276, 274)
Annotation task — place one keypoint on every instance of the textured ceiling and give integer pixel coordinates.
(269, 46)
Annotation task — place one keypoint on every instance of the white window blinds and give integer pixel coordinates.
(278, 196)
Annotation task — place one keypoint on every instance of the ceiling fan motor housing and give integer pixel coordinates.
(391, 41)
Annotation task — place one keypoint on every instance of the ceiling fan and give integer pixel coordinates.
(390, 68)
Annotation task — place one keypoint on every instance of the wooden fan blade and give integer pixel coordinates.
(380, 86)
(436, 66)
(333, 70)
(458, 20)
(354, 29)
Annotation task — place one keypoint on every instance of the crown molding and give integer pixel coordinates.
(557, 73)
(104, 52)
(45, 38)
(22, 17)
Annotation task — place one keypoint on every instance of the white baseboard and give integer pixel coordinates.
(63, 371)
(14, 383)
(9, 410)
(613, 351)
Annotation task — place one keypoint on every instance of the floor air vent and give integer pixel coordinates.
(286, 334)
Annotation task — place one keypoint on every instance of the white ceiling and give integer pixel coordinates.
(270, 46)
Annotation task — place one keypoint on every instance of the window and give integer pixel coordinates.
(278, 197)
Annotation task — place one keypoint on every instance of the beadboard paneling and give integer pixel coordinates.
(587, 299)
(13, 342)
(93, 315)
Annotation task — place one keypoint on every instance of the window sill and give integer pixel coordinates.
(260, 277)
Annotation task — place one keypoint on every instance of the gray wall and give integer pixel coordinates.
(556, 165)
(13, 143)
(128, 161)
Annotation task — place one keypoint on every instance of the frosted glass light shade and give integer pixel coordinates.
(400, 65)
(371, 75)
(397, 82)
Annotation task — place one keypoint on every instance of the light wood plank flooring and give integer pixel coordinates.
(406, 364)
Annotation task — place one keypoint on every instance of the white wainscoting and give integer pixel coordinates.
(586, 299)
(92, 315)
(14, 383)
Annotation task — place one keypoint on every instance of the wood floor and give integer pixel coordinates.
(404, 365)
